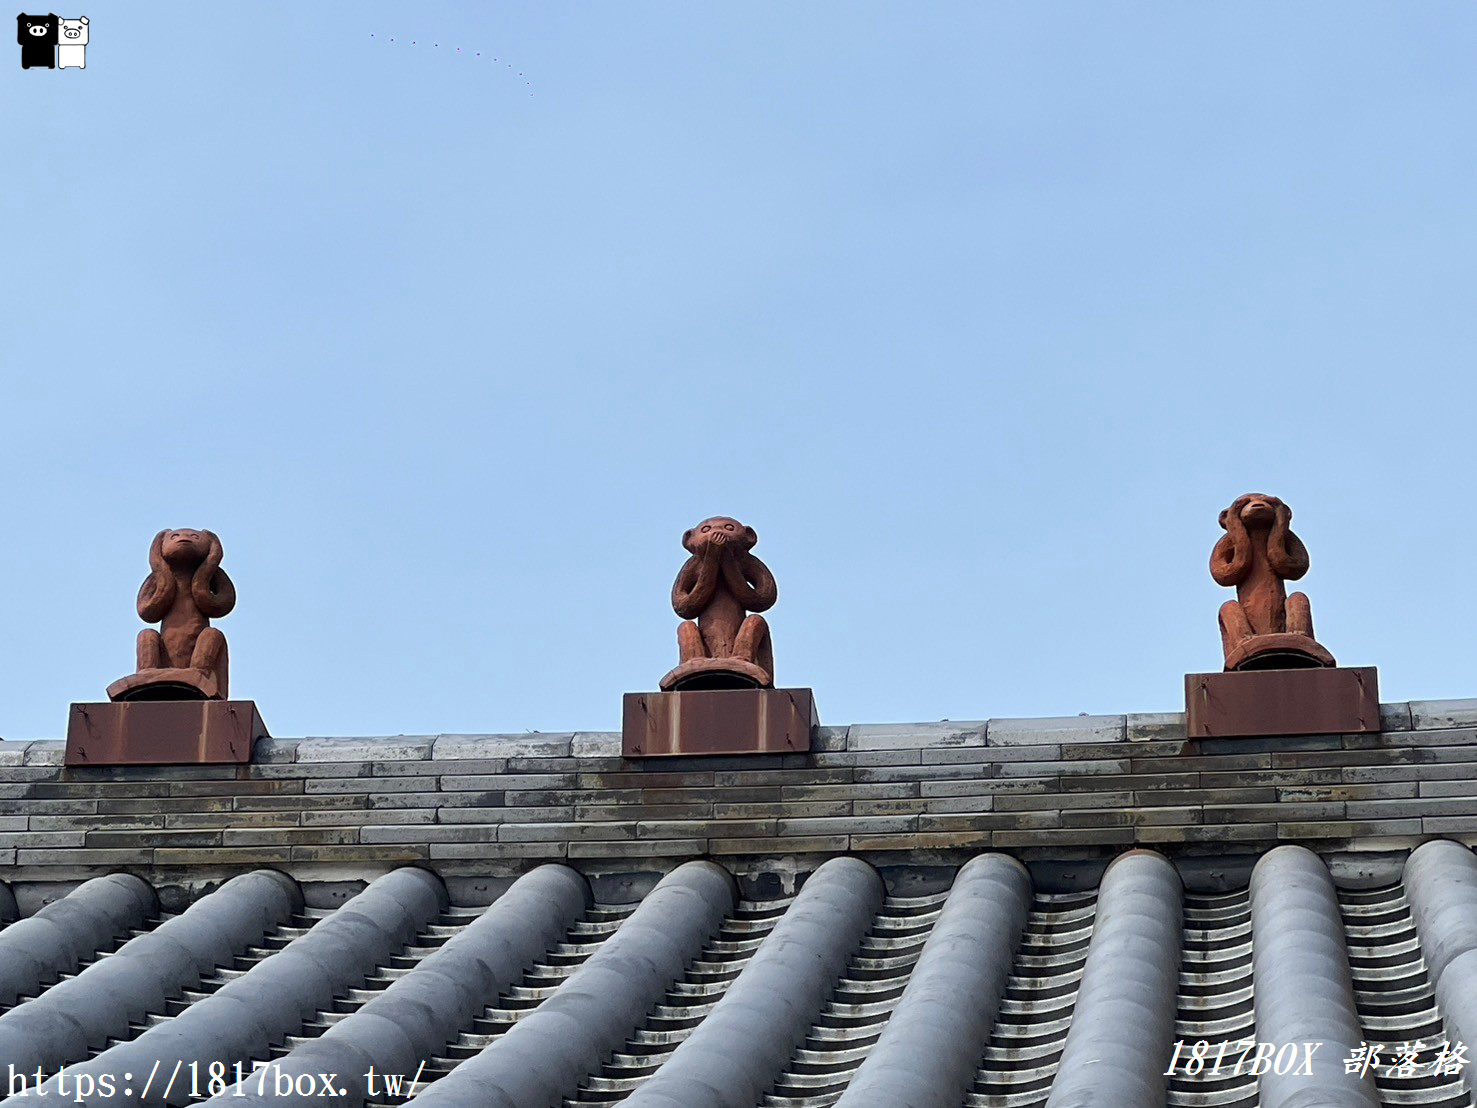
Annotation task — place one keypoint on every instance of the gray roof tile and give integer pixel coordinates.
(965, 987)
(985, 994)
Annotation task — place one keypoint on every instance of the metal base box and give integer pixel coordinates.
(163, 733)
(718, 721)
(1313, 701)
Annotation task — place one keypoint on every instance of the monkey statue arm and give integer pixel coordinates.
(156, 594)
(750, 581)
(1231, 558)
(695, 584)
(1286, 553)
(210, 587)
(215, 594)
(154, 599)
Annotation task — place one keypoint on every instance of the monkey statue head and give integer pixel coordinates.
(187, 548)
(719, 531)
(1255, 510)
(1258, 528)
(186, 551)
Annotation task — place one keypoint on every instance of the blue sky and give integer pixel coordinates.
(979, 313)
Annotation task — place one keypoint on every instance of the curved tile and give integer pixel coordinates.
(243, 1017)
(418, 1013)
(852, 1018)
(1122, 1025)
(35, 951)
(81, 1013)
(544, 1056)
(686, 1004)
(772, 1003)
(1026, 1043)
(1441, 882)
(1396, 1001)
(930, 1048)
(1301, 981)
(594, 927)
(1215, 1002)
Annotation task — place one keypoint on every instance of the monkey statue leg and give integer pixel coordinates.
(764, 655)
(753, 644)
(209, 656)
(1235, 627)
(150, 650)
(1299, 614)
(689, 642)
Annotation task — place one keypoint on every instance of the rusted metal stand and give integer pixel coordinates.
(718, 721)
(1312, 701)
(163, 732)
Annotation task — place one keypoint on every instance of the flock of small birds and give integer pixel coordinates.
(456, 50)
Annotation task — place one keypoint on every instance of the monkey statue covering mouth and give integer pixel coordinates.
(720, 645)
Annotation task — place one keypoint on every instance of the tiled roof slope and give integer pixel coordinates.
(489, 807)
(1003, 913)
(989, 992)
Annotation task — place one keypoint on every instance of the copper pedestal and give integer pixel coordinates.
(163, 732)
(718, 721)
(1313, 701)
(1281, 650)
(166, 684)
(714, 673)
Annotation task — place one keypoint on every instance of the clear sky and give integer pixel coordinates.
(979, 313)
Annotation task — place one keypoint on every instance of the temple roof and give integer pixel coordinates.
(996, 913)
(987, 992)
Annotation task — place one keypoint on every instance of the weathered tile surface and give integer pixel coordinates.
(1038, 787)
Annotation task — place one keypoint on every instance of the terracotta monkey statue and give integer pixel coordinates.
(1257, 554)
(186, 589)
(720, 646)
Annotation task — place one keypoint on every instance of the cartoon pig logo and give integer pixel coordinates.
(71, 51)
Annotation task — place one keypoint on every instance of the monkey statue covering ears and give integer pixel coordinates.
(185, 659)
(1264, 627)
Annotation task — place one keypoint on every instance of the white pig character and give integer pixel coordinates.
(72, 36)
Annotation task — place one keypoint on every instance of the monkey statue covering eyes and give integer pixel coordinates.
(186, 658)
(1264, 627)
(719, 645)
